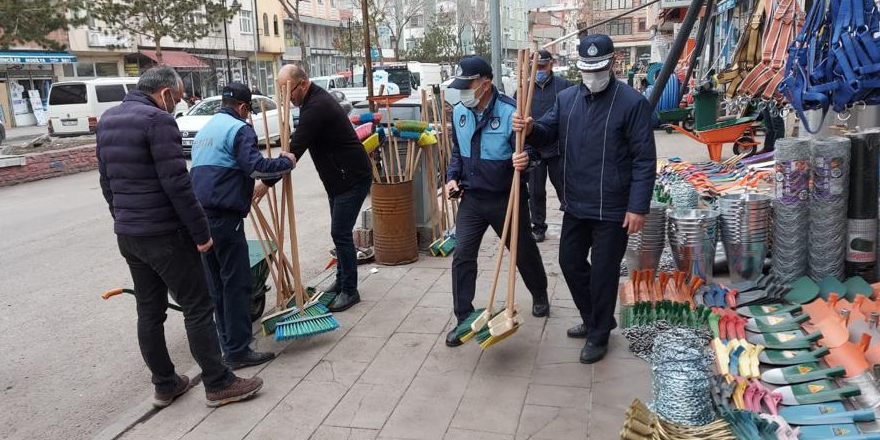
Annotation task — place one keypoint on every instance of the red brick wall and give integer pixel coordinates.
(50, 164)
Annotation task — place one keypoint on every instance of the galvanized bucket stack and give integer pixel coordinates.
(693, 234)
(745, 231)
(643, 250)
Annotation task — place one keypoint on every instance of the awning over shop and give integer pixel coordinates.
(36, 57)
(176, 59)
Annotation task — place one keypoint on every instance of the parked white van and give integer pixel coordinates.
(76, 106)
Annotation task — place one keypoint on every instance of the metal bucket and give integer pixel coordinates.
(394, 224)
(745, 232)
(693, 235)
(643, 250)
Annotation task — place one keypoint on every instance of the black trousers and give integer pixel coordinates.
(774, 127)
(344, 211)
(231, 283)
(171, 262)
(476, 213)
(538, 190)
(593, 285)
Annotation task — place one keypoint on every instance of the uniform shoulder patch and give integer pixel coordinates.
(495, 123)
(462, 120)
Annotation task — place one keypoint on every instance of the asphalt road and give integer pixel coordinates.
(70, 360)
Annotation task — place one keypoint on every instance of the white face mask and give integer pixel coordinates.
(596, 81)
(469, 97)
(165, 102)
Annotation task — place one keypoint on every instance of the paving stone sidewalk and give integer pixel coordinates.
(387, 374)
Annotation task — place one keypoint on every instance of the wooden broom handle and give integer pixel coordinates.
(505, 231)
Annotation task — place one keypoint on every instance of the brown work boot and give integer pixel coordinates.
(161, 400)
(239, 389)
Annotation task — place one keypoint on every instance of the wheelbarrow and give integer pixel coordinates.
(736, 131)
(677, 116)
(259, 269)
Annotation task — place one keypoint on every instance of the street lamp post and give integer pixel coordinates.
(226, 43)
(350, 51)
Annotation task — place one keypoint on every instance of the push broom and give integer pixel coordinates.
(508, 321)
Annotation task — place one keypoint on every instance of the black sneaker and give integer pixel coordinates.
(249, 360)
(161, 400)
(333, 288)
(541, 306)
(345, 301)
(578, 331)
(539, 236)
(452, 339)
(592, 352)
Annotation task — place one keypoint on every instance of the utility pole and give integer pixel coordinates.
(495, 32)
(350, 51)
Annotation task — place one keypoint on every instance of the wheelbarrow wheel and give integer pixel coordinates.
(745, 145)
(688, 124)
(258, 306)
(668, 129)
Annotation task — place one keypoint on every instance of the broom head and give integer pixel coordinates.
(447, 247)
(304, 327)
(410, 125)
(435, 247)
(463, 332)
(364, 131)
(371, 143)
(427, 139)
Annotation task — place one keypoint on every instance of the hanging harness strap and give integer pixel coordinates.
(779, 33)
(747, 54)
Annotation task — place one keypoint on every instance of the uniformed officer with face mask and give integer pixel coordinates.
(480, 173)
(606, 145)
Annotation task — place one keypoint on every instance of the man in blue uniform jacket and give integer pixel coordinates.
(480, 173)
(225, 162)
(606, 144)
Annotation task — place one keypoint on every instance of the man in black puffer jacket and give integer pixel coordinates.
(161, 229)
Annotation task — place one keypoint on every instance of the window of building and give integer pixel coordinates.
(618, 4)
(247, 18)
(265, 24)
(110, 93)
(643, 25)
(106, 69)
(275, 24)
(68, 70)
(289, 41)
(414, 22)
(620, 27)
(85, 68)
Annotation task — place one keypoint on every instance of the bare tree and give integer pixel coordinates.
(291, 7)
(397, 14)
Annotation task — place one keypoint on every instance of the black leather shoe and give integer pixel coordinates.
(333, 288)
(344, 301)
(539, 236)
(541, 307)
(452, 339)
(592, 352)
(250, 359)
(578, 331)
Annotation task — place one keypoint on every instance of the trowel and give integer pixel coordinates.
(801, 373)
(819, 391)
(824, 414)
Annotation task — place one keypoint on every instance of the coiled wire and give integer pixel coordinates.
(681, 363)
(791, 209)
(830, 161)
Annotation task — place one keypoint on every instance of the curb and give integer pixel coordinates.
(145, 410)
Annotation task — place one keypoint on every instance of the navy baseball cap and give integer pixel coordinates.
(469, 69)
(238, 92)
(595, 52)
(544, 57)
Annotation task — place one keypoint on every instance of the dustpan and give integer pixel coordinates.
(829, 285)
(857, 286)
(803, 291)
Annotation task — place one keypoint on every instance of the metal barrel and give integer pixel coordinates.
(394, 224)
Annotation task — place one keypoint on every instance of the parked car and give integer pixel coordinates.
(199, 114)
(76, 106)
(329, 82)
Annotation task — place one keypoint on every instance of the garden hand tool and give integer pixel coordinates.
(819, 391)
(837, 431)
(776, 323)
(792, 357)
(790, 340)
(803, 291)
(857, 286)
(829, 285)
(825, 414)
(801, 373)
(768, 310)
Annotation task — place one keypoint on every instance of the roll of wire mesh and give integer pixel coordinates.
(861, 222)
(830, 160)
(680, 362)
(791, 209)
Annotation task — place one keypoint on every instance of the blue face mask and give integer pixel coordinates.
(541, 76)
